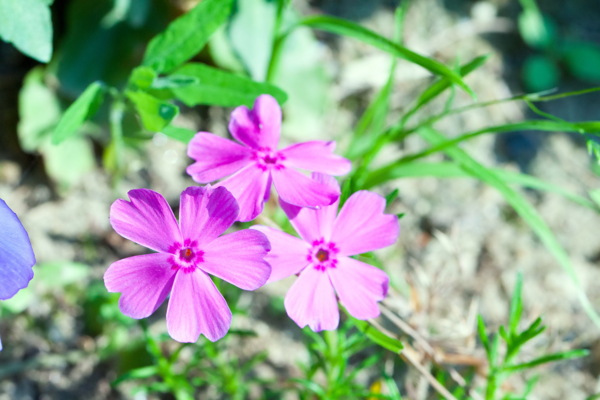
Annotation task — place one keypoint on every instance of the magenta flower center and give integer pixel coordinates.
(322, 255)
(266, 159)
(186, 256)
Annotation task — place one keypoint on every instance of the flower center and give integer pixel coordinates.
(186, 256)
(322, 255)
(266, 158)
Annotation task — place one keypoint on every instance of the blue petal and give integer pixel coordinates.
(16, 254)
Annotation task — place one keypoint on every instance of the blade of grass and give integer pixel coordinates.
(447, 169)
(350, 29)
(522, 207)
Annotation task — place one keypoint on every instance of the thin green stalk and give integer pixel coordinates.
(279, 38)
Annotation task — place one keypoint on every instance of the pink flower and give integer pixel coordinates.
(256, 162)
(187, 253)
(321, 258)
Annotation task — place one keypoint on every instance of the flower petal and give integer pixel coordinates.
(196, 307)
(147, 219)
(259, 127)
(299, 190)
(362, 226)
(359, 286)
(205, 213)
(16, 254)
(316, 156)
(314, 224)
(144, 282)
(248, 186)
(288, 253)
(215, 157)
(239, 258)
(311, 301)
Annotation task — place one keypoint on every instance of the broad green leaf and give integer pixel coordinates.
(68, 162)
(258, 17)
(537, 30)
(142, 77)
(540, 73)
(221, 88)
(39, 111)
(380, 338)
(350, 29)
(155, 113)
(522, 207)
(583, 61)
(81, 110)
(182, 134)
(302, 74)
(186, 36)
(28, 25)
(453, 170)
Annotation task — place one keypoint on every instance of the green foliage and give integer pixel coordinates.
(27, 24)
(330, 374)
(81, 110)
(186, 36)
(501, 366)
(217, 87)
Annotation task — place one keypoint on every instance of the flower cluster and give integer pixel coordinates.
(16, 254)
(189, 251)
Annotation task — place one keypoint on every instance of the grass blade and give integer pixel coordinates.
(522, 207)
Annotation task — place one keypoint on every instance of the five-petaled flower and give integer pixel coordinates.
(187, 253)
(254, 164)
(322, 258)
(16, 254)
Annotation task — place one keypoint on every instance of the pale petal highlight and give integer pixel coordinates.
(144, 282)
(288, 253)
(359, 286)
(239, 258)
(316, 156)
(215, 157)
(311, 301)
(362, 226)
(196, 307)
(205, 213)
(147, 220)
(258, 127)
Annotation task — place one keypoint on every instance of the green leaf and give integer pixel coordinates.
(81, 110)
(537, 30)
(565, 355)
(540, 73)
(28, 25)
(516, 306)
(453, 170)
(181, 134)
(522, 207)
(350, 29)
(379, 338)
(258, 17)
(155, 113)
(186, 36)
(142, 77)
(68, 162)
(583, 61)
(39, 111)
(138, 373)
(221, 88)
